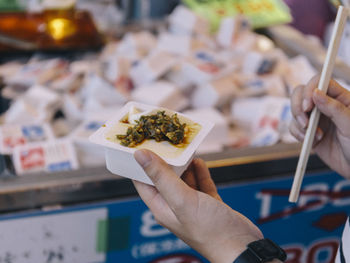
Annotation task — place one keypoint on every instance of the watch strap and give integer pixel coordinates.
(261, 251)
(247, 256)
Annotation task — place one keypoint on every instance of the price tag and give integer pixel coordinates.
(261, 13)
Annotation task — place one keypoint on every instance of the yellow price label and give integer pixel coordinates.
(261, 13)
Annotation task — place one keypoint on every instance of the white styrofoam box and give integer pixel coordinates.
(256, 114)
(300, 72)
(203, 66)
(21, 112)
(230, 30)
(42, 97)
(120, 159)
(9, 69)
(103, 92)
(184, 21)
(12, 135)
(161, 94)
(89, 154)
(152, 67)
(72, 108)
(136, 45)
(174, 44)
(275, 85)
(179, 77)
(265, 137)
(116, 67)
(215, 93)
(252, 62)
(66, 82)
(37, 105)
(38, 72)
(227, 32)
(270, 84)
(51, 156)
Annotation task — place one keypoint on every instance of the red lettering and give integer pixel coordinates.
(330, 247)
(294, 255)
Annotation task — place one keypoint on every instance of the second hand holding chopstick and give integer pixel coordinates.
(315, 115)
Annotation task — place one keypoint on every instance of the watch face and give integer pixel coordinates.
(265, 250)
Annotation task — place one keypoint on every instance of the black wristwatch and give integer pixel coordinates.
(261, 251)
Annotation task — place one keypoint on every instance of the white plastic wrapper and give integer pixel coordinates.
(116, 67)
(257, 63)
(267, 85)
(89, 154)
(54, 156)
(179, 77)
(256, 114)
(36, 106)
(136, 45)
(84, 66)
(175, 44)
(38, 72)
(300, 72)
(67, 82)
(184, 21)
(102, 92)
(162, 94)
(203, 66)
(265, 137)
(12, 135)
(218, 136)
(231, 28)
(72, 108)
(8, 70)
(152, 67)
(215, 93)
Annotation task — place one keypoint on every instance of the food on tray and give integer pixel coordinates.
(159, 126)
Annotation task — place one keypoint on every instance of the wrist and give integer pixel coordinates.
(230, 250)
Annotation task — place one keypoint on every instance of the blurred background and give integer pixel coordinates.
(68, 66)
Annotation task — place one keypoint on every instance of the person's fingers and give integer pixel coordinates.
(336, 91)
(335, 110)
(307, 102)
(189, 177)
(175, 191)
(155, 203)
(147, 192)
(296, 107)
(298, 133)
(204, 181)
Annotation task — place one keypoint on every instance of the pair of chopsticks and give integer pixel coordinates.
(342, 15)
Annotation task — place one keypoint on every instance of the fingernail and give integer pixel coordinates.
(143, 157)
(319, 96)
(301, 120)
(319, 135)
(306, 105)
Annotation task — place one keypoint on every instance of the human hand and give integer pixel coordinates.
(332, 140)
(200, 219)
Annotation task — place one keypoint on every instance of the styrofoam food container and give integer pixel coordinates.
(120, 159)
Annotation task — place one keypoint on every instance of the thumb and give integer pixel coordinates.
(169, 185)
(333, 109)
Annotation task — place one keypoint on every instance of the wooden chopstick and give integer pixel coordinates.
(315, 115)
